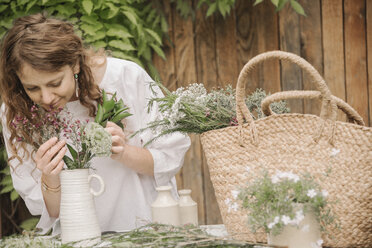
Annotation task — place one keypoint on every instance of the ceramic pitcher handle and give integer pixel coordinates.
(97, 193)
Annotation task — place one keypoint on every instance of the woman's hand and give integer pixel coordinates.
(118, 140)
(49, 160)
(137, 158)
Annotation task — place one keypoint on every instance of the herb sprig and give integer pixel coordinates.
(111, 110)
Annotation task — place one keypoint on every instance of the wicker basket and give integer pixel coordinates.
(299, 143)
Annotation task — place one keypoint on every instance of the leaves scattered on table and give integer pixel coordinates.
(151, 235)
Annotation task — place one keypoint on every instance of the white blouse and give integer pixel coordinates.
(126, 202)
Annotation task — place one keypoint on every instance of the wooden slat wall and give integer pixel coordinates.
(335, 37)
(333, 48)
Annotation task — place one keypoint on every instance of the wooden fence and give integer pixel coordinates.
(335, 37)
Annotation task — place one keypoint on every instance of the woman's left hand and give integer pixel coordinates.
(118, 140)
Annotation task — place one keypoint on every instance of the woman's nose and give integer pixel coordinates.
(46, 97)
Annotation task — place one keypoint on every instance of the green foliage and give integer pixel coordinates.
(279, 4)
(151, 235)
(7, 187)
(29, 224)
(283, 199)
(6, 181)
(130, 30)
(223, 7)
(111, 110)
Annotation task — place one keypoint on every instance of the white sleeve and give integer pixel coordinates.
(26, 181)
(168, 151)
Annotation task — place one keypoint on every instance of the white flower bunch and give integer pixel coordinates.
(192, 109)
(97, 140)
(284, 175)
(283, 199)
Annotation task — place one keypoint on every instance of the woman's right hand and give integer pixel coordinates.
(49, 160)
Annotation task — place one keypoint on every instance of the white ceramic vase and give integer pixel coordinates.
(188, 208)
(77, 211)
(304, 236)
(164, 209)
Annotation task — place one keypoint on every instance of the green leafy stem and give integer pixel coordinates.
(111, 110)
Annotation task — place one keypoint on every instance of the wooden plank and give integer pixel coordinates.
(291, 75)
(355, 56)
(193, 175)
(333, 49)
(226, 54)
(311, 48)
(184, 60)
(266, 20)
(369, 56)
(205, 52)
(213, 215)
(247, 43)
(166, 68)
(205, 49)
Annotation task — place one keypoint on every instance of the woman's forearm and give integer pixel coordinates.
(52, 196)
(138, 159)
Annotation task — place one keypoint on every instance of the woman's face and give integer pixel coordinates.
(49, 89)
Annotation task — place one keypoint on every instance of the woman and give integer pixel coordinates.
(43, 62)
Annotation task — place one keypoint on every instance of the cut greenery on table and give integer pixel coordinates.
(151, 235)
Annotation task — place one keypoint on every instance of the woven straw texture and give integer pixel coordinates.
(299, 143)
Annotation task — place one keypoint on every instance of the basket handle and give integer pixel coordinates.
(328, 109)
(352, 115)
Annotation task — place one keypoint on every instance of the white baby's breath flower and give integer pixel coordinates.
(311, 193)
(293, 177)
(324, 193)
(234, 207)
(247, 169)
(305, 228)
(227, 201)
(299, 217)
(235, 194)
(271, 225)
(334, 152)
(277, 219)
(317, 244)
(286, 219)
(287, 175)
(275, 179)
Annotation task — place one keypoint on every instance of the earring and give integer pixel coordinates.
(76, 76)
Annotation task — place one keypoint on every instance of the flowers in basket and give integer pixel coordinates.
(194, 110)
(284, 199)
(86, 139)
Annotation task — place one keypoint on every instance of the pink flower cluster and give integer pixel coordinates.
(72, 128)
(41, 126)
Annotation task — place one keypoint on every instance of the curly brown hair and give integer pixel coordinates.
(46, 44)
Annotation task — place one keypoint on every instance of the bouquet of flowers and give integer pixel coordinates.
(194, 110)
(87, 139)
(283, 199)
